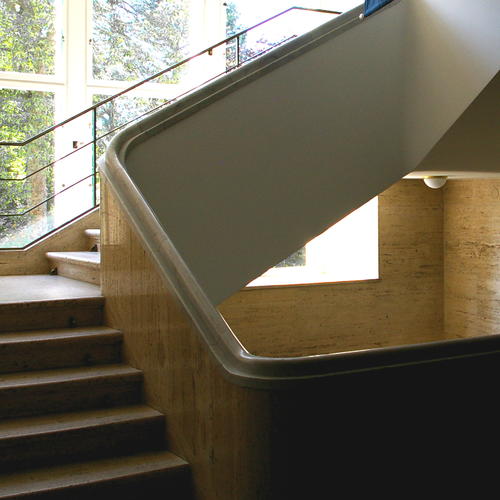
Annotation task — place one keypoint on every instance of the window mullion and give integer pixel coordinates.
(76, 56)
(77, 132)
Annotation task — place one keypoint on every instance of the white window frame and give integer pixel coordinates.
(73, 80)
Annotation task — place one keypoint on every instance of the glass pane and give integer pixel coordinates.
(135, 39)
(30, 35)
(116, 114)
(241, 15)
(205, 68)
(279, 31)
(22, 115)
(20, 231)
(49, 166)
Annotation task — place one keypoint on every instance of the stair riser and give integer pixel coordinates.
(78, 272)
(48, 315)
(70, 396)
(58, 354)
(82, 444)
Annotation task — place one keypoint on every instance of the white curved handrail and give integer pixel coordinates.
(238, 364)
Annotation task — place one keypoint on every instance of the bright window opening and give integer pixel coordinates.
(347, 251)
(58, 57)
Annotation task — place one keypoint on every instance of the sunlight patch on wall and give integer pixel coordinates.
(347, 251)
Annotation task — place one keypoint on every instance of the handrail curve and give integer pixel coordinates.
(239, 365)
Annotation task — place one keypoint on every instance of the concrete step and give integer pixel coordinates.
(94, 237)
(69, 389)
(59, 348)
(145, 475)
(51, 314)
(83, 266)
(70, 437)
(41, 301)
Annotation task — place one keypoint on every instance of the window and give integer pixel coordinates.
(58, 57)
(348, 251)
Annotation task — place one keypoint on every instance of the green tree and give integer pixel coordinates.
(133, 39)
(233, 24)
(27, 45)
(27, 34)
(117, 113)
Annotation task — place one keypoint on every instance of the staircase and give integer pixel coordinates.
(267, 157)
(72, 419)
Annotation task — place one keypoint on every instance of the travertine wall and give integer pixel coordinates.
(404, 306)
(222, 430)
(249, 444)
(472, 258)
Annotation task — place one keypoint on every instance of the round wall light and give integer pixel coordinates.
(435, 181)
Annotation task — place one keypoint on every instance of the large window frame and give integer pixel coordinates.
(73, 83)
(74, 87)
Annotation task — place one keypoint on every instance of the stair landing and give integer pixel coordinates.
(15, 289)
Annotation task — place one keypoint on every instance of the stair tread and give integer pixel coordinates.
(60, 422)
(21, 291)
(81, 258)
(64, 375)
(89, 472)
(58, 334)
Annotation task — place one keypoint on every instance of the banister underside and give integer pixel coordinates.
(231, 179)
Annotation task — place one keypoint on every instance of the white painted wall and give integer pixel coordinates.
(471, 147)
(244, 182)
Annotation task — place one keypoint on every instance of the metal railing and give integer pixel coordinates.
(234, 53)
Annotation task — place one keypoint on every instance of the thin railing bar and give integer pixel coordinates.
(19, 179)
(149, 111)
(133, 120)
(232, 37)
(169, 101)
(160, 73)
(94, 156)
(238, 43)
(51, 231)
(198, 86)
(48, 199)
(321, 11)
(258, 54)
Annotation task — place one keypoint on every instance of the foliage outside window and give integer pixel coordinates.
(28, 45)
(119, 42)
(130, 40)
(27, 36)
(134, 39)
